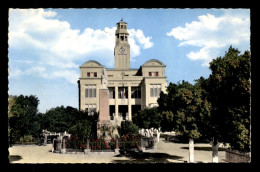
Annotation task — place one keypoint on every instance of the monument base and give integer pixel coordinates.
(104, 128)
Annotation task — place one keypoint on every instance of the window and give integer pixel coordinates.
(155, 90)
(122, 92)
(95, 74)
(88, 74)
(111, 92)
(153, 73)
(136, 92)
(122, 38)
(90, 91)
(124, 26)
(126, 38)
(121, 26)
(90, 109)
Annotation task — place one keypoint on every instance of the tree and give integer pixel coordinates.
(22, 115)
(127, 127)
(82, 130)
(148, 119)
(228, 90)
(188, 107)
(60, 119)
(188, 114)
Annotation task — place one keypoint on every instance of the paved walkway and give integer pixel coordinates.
(202, 152)
(166, 152)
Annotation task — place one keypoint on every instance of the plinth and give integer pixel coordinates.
(103, 125)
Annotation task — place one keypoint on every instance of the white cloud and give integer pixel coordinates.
(61, 46)
(139, 35)
(15, 72)
(70, 75)
(35, 70)
(22, 61)
(211, 34)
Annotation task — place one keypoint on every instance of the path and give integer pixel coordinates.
(166, 152)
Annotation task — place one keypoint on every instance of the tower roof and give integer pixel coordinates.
(121, 21)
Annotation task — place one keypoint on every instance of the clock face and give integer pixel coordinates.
(121, 50)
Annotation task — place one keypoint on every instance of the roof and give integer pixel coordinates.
(153, 62)
(92, 63)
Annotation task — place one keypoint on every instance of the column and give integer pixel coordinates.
(87, 150)
(129, 104)
(45, 140)
(116, 103)
(63, 145)
(147, 95)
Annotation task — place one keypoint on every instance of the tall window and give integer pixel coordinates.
(135, 92)
(122, 92)
(111, 92)
(88, 74)
(90, 91)
(155, 90)
(95, 74)
(90, 108)
(150, 73)
(156, 73)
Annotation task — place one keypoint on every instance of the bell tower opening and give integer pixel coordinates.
(122, 47)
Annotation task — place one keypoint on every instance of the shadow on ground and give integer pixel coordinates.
(204, 148)
(147, 157)
(14, 158)
(182, 142)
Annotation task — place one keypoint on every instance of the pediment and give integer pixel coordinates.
(91, 63)
(153, 62)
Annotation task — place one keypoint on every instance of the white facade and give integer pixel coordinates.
(129, 89)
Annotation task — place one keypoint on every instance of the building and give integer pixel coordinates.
(129, 89)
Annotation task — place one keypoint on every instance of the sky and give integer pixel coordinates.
(47, 46)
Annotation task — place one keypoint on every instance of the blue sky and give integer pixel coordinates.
(47, 46)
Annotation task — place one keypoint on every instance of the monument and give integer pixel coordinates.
(103, 125)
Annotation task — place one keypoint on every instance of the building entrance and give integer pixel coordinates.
(123, 112)
(112, 112)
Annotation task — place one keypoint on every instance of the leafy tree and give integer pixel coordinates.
(166, 119)
(147, 119)
(189, 107)
(229, 92)
(127, 127)
(22, 115)
(82, 130)
(59, 119)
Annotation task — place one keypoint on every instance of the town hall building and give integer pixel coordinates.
(130, 89)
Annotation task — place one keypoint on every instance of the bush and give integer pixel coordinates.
(127, 127)
(129, 141)
(81, 129)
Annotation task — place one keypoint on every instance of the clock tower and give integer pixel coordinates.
(122, 47)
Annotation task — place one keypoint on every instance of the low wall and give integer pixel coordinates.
(237, 157)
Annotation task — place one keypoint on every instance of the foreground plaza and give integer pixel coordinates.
(167, 152)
